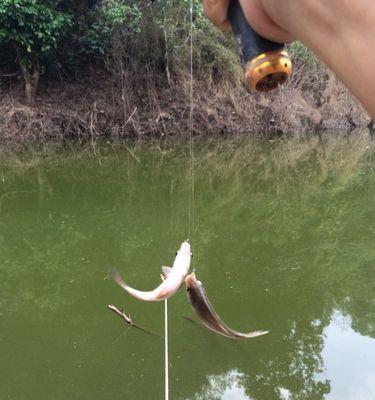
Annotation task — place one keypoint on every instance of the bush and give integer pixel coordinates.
(32, 28)
(98, 30)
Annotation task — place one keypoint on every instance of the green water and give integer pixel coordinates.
(283, 240)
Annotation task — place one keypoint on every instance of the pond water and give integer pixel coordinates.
(283, 240)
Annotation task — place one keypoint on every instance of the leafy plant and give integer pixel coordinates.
(96, 39)
(33, 28)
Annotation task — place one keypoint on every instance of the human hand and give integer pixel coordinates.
(255, 13)
(340, 32)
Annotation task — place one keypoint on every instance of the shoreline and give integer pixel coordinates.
(99, 107)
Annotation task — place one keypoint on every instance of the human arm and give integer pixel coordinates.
(340, 32)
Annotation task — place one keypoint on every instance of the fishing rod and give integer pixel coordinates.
(267, 64)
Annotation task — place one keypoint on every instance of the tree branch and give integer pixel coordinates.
(129, 321)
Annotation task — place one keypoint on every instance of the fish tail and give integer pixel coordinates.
(153, 295)
(118, 279)
(256, 334)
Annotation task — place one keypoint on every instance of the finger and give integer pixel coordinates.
(262, 23)
(217, 12)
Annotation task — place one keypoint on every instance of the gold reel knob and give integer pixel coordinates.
(269, 70)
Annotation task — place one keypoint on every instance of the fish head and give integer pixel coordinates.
(190, 280)
(185, 249)
(183, 258)
(192, 284)
(184, 252)
(194, 288)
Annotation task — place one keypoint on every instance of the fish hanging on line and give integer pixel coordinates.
(174, 277)
(206, 313)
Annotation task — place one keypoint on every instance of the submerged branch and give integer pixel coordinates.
(129, 321)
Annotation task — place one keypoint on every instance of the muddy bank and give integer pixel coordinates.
(103, 106)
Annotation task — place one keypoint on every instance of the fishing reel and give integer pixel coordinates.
(267, 64)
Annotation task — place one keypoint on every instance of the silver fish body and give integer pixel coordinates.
(174, 278)
(206, 313)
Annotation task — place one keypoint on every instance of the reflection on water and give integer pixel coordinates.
(349, 366)
(284, 394)
(226, 386)
(284, 235)
(349, 361)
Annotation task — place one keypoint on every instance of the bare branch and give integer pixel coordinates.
(129, 321)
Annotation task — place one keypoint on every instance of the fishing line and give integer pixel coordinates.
(166, 349)
(191, 206)
(191, 148)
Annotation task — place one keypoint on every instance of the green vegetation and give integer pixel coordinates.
(62, 37)
(302, 54)
(33, 28)
(121, 68)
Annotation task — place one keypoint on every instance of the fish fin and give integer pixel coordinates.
(166, 270)
(256, 333)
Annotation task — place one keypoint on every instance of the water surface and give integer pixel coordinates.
(283, 240)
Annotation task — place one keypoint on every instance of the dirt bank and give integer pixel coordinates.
(102, 106)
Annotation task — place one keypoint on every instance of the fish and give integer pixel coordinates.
(206, 313)
(174, 277)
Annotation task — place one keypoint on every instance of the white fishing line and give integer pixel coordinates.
(191, 205)
(191, 148)
(166, 349)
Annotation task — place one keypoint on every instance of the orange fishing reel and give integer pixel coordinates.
(267, 64)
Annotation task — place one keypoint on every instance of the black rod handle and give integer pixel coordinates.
(267, 64)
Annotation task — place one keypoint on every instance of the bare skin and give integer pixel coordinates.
(340, 32)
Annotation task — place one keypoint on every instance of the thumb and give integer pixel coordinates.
(262, 23)
(217, 12)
